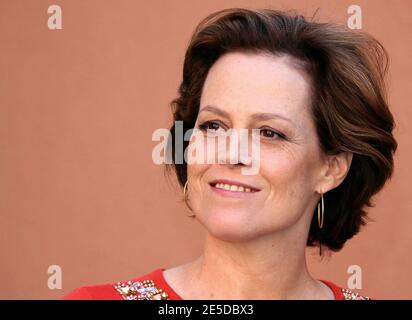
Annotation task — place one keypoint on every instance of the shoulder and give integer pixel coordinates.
(144, 287)
(341, 293)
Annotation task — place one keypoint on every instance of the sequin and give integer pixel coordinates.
(140, 290)
(351, 295)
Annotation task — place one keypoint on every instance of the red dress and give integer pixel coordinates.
(153, 286)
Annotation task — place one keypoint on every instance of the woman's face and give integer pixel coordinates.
(239, 87)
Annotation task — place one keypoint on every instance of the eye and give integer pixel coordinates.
(270, 133)
(210, 125)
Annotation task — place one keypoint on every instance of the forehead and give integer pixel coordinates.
(248, 83)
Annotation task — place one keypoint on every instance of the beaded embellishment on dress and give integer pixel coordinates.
(351, 295)
(140, 290)
(147, 290)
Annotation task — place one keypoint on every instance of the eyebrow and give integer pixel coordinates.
(255, 116)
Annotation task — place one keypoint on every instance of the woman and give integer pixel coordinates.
(316, 93)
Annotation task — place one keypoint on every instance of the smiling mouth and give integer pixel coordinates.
(233, 187)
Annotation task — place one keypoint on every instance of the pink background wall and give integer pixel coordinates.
(78, 107)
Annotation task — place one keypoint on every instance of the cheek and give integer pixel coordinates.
(288, 174)
(195, 174)
(195, 171)
(289, 177)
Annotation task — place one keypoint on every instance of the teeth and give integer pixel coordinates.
(232, 187)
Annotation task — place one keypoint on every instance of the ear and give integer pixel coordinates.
(337, 167)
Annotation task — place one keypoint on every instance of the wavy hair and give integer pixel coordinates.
(348, 100)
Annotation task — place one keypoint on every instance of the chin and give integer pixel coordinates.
(230, 228)
(238, 226)
(231, 235)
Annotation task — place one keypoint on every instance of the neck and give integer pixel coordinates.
(268, 267)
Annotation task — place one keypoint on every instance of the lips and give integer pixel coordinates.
(233, 186)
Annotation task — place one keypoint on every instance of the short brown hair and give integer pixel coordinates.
(349, 103)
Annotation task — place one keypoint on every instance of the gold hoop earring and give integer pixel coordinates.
(185, 188)
(185, 197)
(321, 216)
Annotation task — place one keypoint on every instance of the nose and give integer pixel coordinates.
(235, 149)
